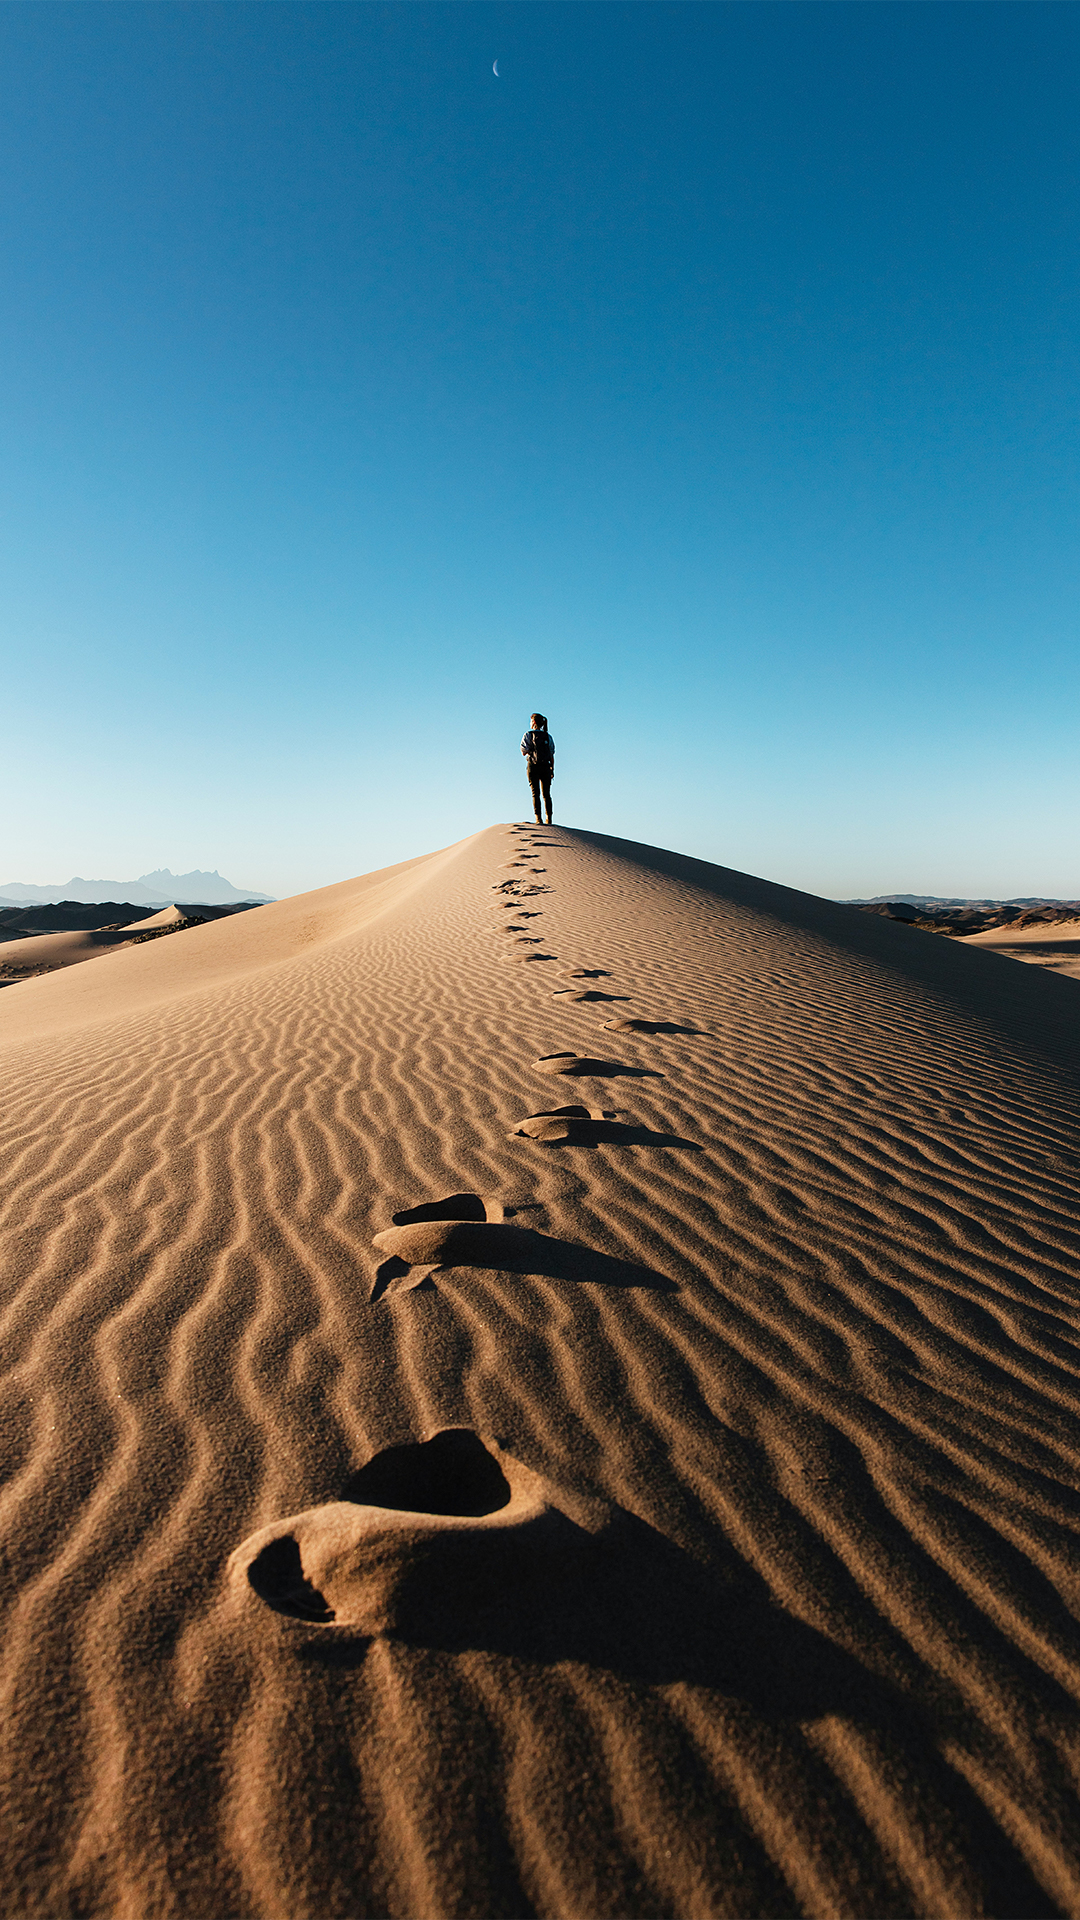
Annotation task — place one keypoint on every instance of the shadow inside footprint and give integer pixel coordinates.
(456, 1206)
(453, 1473)
(578, 1065)
(277, 1576)
(415, 1253)
(589, 973)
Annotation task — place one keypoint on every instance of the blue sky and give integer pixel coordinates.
(708, 379)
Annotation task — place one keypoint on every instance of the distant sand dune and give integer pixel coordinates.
(1055, 945)
(781, 1615)
(45, 952)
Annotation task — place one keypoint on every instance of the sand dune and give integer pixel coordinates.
(423, 1499)
(45, 952)
(1055, 945)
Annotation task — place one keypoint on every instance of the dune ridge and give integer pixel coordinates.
(807, 1328)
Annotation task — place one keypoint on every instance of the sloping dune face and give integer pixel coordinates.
(675, 1512)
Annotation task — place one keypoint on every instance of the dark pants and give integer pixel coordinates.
(540, 782)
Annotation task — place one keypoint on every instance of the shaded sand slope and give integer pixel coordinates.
(757, 1593)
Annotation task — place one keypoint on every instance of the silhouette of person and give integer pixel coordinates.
(538, 748)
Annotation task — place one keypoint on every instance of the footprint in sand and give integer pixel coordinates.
(531, 956)
(584, 1066)
(424, 1540)
(421, 1247)
(650, 1026)
(588, 973)
(559, 1123)
(456, 1206)
(587, 994)
(592, 1127)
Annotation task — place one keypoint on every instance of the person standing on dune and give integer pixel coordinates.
(538, 748)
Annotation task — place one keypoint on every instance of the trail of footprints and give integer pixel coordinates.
(422, 1529)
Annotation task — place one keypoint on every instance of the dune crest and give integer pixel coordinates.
(422, 1498)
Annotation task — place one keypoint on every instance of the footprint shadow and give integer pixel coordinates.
(578, 1127)
(416, 1542)
(414, 1253)
(653, 1026)
(590, 994)
(584, 1066)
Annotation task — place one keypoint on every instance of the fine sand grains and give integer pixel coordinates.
(424, 1498)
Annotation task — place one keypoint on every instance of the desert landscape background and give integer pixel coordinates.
(732, 1342)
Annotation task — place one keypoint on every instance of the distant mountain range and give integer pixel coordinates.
(935, 915)
(158, 889)
(940, 900)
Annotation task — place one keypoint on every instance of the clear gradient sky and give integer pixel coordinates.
(708, 379)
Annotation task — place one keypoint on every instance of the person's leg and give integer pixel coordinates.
(534, 782)
(546, 783)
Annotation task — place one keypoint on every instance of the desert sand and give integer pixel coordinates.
(1056, 946)
(45, 952)
(541, 1381)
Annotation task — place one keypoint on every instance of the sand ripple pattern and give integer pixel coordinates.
(848, 1436)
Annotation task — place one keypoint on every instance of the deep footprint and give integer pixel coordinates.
(592, 1127)
(650, 1026)
(415, 1253)
(456, 1206)
(425, 1539)
(560, 1123)
(584, 1065)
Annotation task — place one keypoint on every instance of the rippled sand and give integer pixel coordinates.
(675, 1513)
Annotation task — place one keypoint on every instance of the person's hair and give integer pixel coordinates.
(539, 720)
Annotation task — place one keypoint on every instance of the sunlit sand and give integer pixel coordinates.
(591, 1436)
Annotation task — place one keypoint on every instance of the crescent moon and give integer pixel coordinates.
(495, 68)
